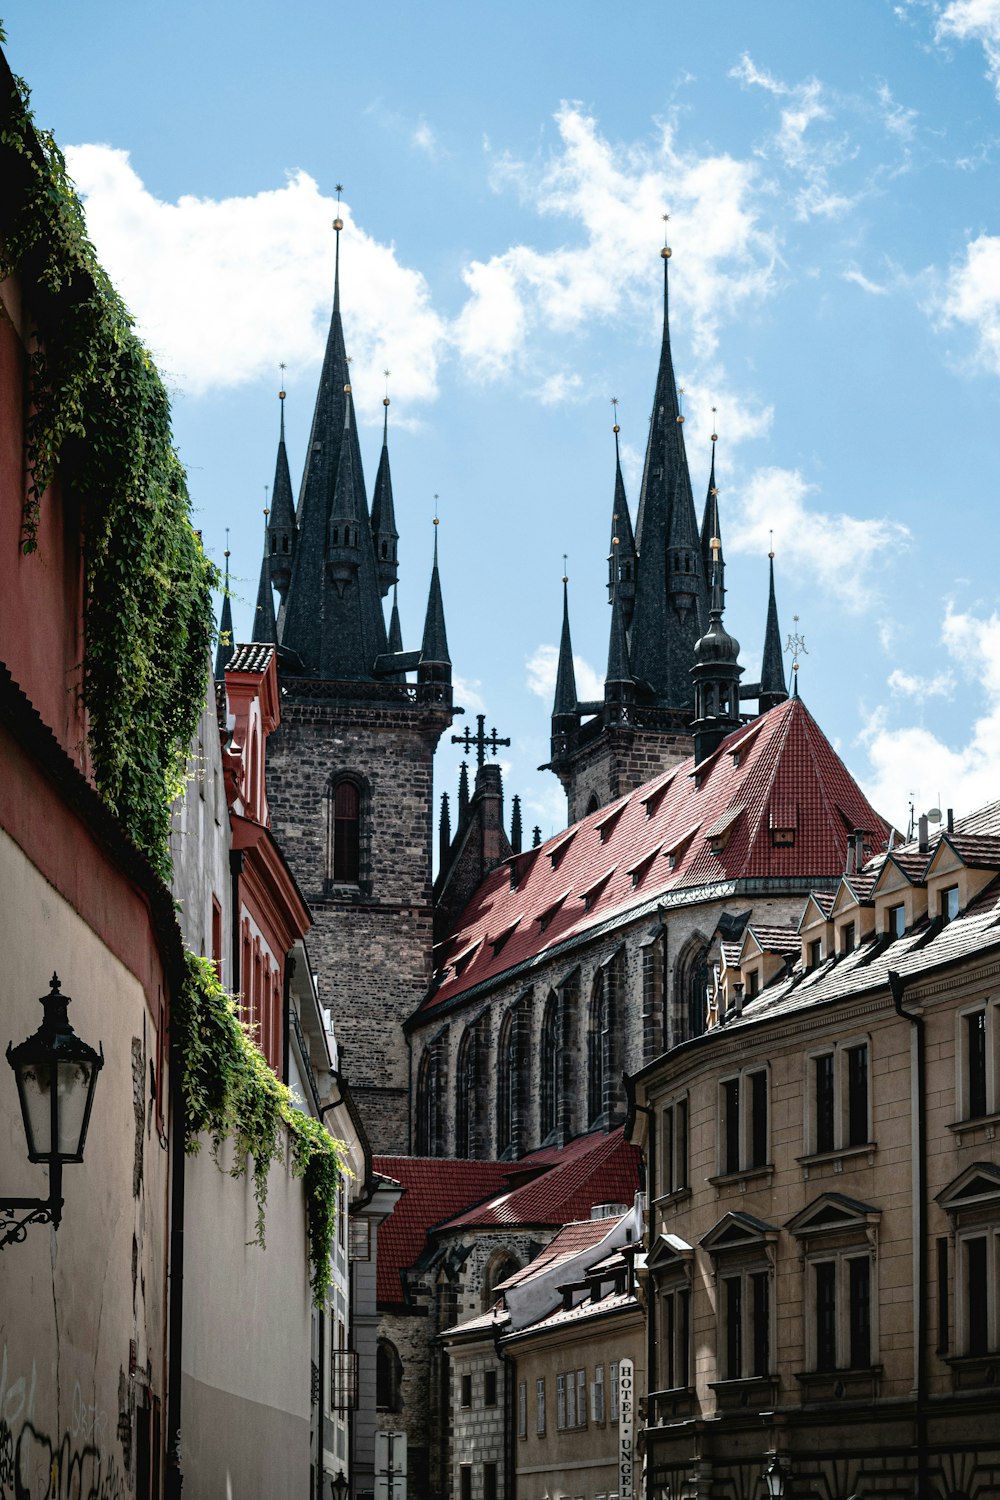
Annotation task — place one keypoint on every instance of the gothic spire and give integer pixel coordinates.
(332, 617)
(226, 646)
(516, 834)
(384, 533)
(772, 672)
(618, 664)
(621, 557)
(716, 674)
(712, 560)
(444, 832)
(435, 663)
(265, 628)
(666, 620)
(280, 534)
(463, 790)
(565, 699)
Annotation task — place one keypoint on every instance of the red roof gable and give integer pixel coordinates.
(592, 1169)
(781, 761)
(434, 1189)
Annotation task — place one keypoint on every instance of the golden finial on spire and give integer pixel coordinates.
(338, 222)
(666, 251)
(266, 510)
(385, 398)
(226, 553)
(771, 552)
(715, 435)
(281, 394)
(436, 519)
(680, 403)
(565, 568)
(614, 403)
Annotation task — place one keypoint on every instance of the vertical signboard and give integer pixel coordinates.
(626, 1434)
(390, 1466)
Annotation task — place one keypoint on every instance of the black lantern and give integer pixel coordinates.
(339, 1486)
(776, 1478)
(56, 1074)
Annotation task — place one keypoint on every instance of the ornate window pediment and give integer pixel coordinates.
(978, 1187)
(738, 1231)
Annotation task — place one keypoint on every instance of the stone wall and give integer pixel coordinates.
(616, 762)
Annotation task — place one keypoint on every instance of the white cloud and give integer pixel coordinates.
(223, 289)
(909, 759)
(468, 692)
(610, 196)
(541, 668)
(898, 119)
(806, 153)
(912, 685)
(425, 139)
(558, 388)
(859, 279)
(977, 21)
(972, 297)
(841, 553)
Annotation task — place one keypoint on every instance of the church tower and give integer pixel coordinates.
(350, 769)
(659, 596)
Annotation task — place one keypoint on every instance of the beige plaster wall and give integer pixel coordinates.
(73, 1303)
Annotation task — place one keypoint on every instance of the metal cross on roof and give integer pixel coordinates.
(480, 739)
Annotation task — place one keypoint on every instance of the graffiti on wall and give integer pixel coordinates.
(75, 1465)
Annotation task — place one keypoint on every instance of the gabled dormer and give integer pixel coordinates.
(852, 913)
(765, 952)
(816, 930)
(900, 895)
(959, 868)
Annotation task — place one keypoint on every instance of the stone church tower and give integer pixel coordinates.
(350, 770)
(660, 587)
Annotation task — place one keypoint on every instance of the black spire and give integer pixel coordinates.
(265, 627)
(618, 685)
(710, 527)
(435, 663)
(384, 534)
(536, 836)
(621, 557)
(281, 523)
(444, 833)
(661, 639)
(516, 835)
(772, 672)
(565, 720)
(332, 617)
(463, 790)
(226, 646)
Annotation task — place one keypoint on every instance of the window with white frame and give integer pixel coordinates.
(613, 1389)
(972, 1201)
(976, 1047)
(540, 1406)
(674, 1147)
(571, 1400)
(522, 1409)
(743, 1121)
(838, 1238)
(838, 1097)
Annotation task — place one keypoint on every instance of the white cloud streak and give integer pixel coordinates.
(541, 667)
(972, 297)
(974, 21)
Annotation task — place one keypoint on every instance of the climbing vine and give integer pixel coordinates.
(231, 1094)
(99, 415)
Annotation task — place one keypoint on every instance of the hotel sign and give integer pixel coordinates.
(626, 1427)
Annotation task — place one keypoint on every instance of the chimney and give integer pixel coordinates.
(859, 849)
(923, 844)
(951, 820)
(738, 997)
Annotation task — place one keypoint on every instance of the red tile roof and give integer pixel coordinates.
(781, 761)
(434, 1189)
(563, 1184)
(592, 1169)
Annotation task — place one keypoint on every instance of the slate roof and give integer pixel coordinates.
(584, 1311)
(567, 1244)
(782, 756)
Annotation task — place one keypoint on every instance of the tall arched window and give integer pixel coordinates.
(506, 1083)
(430, 1102)
(597, 1048)
(346, 814)
(499, 1266)
(690, 987)
(388, 1377)
(470, 1075)
(551, 1060)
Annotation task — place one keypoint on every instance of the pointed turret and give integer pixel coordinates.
(716, 674)
(619, 688)
(772, 673)
(662, 634)
(516, 834)
(265, 626)
(332, 617)
(226, 646)
(463, 790)
(621, 557)
(281, 523)
(444, 832)
(565, 720)
(435, 663)
(384, 534)
(711, 529)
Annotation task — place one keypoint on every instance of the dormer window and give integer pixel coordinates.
(895, 921)
(847, 938)
(949, 903)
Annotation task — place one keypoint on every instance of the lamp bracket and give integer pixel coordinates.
(41, 1211)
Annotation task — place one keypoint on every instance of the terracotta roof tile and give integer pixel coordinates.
(785, 757)
(250, 658)
(570, 1240)
(593, 1169)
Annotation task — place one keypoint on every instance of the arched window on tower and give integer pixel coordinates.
(345, 819)
(388, 1377)
(593, 804)
(469, 1090)
(605, 1098)
(552, 1059)
(512, 1071)
(430, 1102)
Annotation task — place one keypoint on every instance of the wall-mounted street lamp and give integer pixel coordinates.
(776, 1479)
(339, 1486)
(56, 1073)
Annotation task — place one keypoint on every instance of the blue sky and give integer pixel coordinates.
(831, 173)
